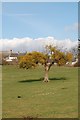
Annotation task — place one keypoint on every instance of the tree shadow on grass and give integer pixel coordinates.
(41, 79)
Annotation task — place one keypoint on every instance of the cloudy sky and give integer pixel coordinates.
(28, 26)
(29, 44)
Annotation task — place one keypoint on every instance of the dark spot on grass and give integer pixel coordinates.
(64, 88)
(19, 96)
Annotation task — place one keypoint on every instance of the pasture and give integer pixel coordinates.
(25, 95)
(0, 91)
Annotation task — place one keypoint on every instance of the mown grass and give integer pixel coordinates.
(0, 91)
(56, 99)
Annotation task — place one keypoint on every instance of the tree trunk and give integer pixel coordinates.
(46, 73)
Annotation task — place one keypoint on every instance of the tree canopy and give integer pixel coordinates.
(48, 58)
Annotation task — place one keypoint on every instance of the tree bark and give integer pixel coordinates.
(47, 67)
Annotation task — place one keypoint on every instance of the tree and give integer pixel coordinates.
(47, 59)
(69, 56)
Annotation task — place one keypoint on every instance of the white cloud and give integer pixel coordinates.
(73, 27)
(29, 44)
(25, 14)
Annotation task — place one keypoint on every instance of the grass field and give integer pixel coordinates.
(56, 99)
(0, 92)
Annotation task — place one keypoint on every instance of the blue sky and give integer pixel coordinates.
(39, 0)
(0, 20)
(38, 20)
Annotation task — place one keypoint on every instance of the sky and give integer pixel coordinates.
(29, 44)
(39, 0)
(0, 20)
(39, 20)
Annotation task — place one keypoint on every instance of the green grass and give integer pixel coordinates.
(0, 92)
(56, 99)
